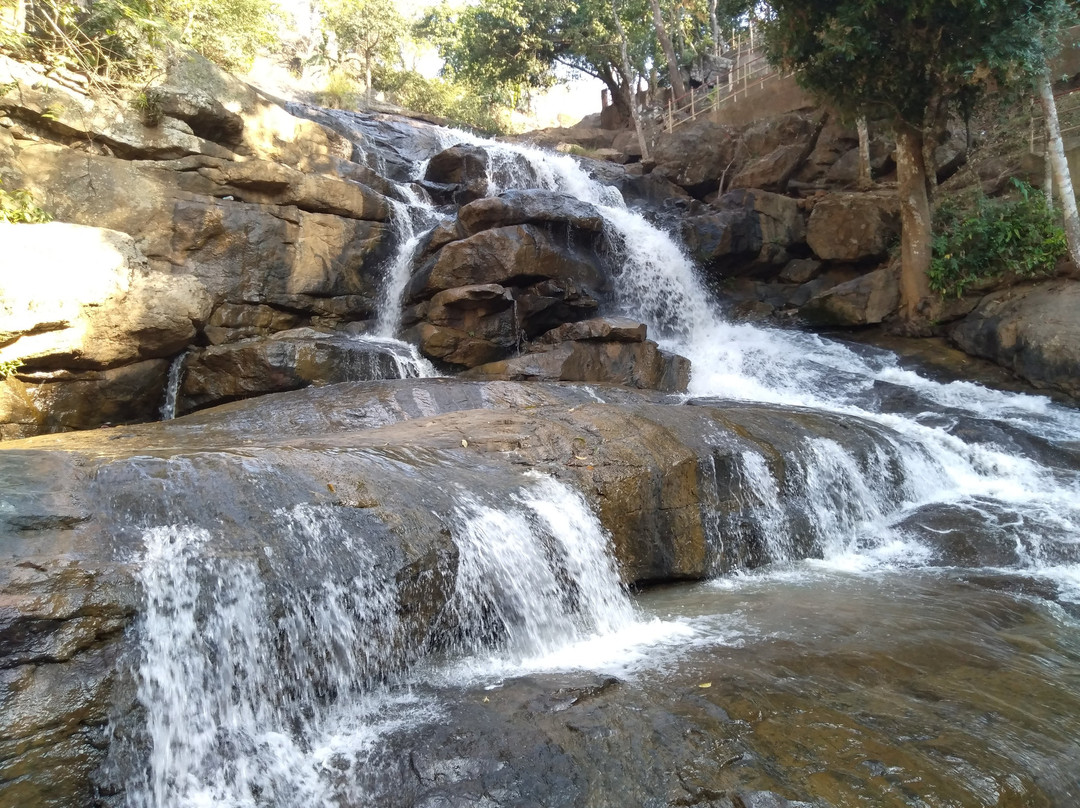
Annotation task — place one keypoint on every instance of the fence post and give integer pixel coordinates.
(670, 117)
(693, 112)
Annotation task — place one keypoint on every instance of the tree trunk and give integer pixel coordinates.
(624, 69)
(715, 25)
(915, 230)
(367, 79)
(1055, 152)
(674, 74)
(865, 180)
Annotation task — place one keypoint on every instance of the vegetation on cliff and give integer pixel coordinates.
(914, 62)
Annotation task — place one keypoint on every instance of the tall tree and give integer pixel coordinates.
(674, 71)
(506, 42)
(1059, 166)
(908, 60)
(366, 31)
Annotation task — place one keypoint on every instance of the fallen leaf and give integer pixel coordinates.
(464, 443)
(331, 487)
(705, 684)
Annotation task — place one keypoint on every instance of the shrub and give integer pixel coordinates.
(1016, 234)
(18, 207)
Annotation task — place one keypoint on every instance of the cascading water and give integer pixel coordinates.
(535, 586)
(849, 503)
(172, 387)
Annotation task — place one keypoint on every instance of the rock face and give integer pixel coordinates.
(853, 227)
(607, 350)
(253, 479)
(1031, 330)
(866, 300)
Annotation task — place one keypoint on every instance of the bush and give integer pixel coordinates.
(1016, 234)
(18, 207)
(340, 92)
(460, 104)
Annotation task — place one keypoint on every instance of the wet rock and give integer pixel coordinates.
(286, 360)
(528, 207)
(514, 255)
(613, 329)
(1031, 330)
(633, 364)
(457, 347)
(865, 300)
(723, 243)
(800, 270)
(464, 167)
(853, 227)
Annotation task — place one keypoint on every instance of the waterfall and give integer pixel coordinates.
(411, 223)
(261, 697)
(920, 462)
(172, 386)
(535, 576)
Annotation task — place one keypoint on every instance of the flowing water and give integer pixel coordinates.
(881, 671)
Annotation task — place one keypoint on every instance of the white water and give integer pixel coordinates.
(852, 504)
(172, 386)
(255, 697)
(536, 587)
(411, 223)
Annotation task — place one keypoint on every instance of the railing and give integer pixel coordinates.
(1068, 110)
(748, 76)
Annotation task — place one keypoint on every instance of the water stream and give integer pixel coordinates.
(857, 647)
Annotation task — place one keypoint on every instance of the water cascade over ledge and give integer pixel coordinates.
(423, 591)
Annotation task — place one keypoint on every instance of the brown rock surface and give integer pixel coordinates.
(1032, 330)
(853, 227)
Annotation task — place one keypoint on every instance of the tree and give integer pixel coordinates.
(368, 31)
(674, 70)
(497, 44)
(910, 61)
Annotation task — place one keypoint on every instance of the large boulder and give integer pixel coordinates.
(604, 350)
(286, 360)
(866, 300)
(1032, 330)
(518, 255)
(186, 223)
(695, 155)
(853, 227)
(464, 168)
(86, 298)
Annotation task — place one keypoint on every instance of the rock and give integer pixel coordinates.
(695, 155)
(611, 329)
(232, 321)
(462, 166)
(265, 183)
(863, 301)
(86, 298)
(41, 101)
(780, 218)
(316, 263)
(764, 137)
(853, 227)
(633, 364)
(532, 206)
(512, 255)
(773, 171)
(724, 243)
(458, 347)
(1032, 330)
(211, 100)
(287, 360)
(67, 400)
(800, 270)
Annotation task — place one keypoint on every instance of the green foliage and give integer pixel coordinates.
(368, 32)
(9, 367)
(18, 207)
(148, 104)
(459, 103)
(339, 92)
(228, 32)
(1018, 234)
(905, 59)
(119, 39)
